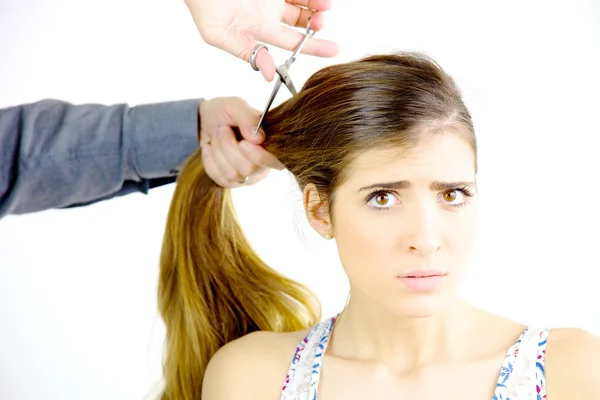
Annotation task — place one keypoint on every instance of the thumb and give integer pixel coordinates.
(265, 64)
(264, 61)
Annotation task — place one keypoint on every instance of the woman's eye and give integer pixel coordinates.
(451, 196)
(382, 200)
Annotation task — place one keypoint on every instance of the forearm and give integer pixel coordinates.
(54, 154)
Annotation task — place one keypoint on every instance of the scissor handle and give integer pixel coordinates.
(283, 76)
(298, 49)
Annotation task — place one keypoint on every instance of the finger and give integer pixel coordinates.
(212, 171)
(234, 155)
(257, 177)
(265, 64)
(210, 167)
(317, 5)
(288, 38)
(259, 156)
(226, 170)
(264, 61)
(240, 114)
(242, 46)
(298, 17)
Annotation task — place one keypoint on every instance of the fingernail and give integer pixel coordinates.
(265, 76)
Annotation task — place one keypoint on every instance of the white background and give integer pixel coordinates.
(77, 287)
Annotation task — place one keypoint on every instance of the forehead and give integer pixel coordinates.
(443, 156)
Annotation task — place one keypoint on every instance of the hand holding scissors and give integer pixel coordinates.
(237, 26)
(231, 163)
(282, 71)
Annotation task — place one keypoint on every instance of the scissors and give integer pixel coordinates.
(282, 72)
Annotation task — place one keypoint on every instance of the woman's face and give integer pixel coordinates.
(398, 219)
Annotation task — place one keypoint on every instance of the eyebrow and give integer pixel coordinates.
(398, 185)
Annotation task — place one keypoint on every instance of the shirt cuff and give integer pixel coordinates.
(162, 135)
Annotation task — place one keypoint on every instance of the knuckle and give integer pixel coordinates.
(262, 159)
(228, 142)
(211, 36)
(231, 175)
(247, 170)
(222, 183)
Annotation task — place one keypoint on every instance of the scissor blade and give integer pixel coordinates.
(298, 49)
(290, 86)
(285, 77)
(271, 98)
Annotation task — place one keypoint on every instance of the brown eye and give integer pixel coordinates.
(450, 196)
(382, 199)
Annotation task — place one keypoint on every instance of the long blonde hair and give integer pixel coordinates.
(213, 287)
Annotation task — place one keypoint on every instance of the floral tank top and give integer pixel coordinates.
(521, 377)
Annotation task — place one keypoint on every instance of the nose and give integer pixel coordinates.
(422, 224)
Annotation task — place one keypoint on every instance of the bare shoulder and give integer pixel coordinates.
(571, 366)
(251, 367)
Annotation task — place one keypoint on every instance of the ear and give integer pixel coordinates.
(316, 211)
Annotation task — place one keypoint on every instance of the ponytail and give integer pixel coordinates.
(213, 287)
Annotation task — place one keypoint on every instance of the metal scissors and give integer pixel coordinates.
(283, 74)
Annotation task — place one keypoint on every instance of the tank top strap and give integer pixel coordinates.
(522, 374)
(305, 368)
(540, 369)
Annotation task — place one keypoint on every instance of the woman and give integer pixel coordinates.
(385, 154)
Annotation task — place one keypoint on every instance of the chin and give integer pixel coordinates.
(420, 305)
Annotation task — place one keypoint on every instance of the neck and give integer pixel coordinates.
(368, 332)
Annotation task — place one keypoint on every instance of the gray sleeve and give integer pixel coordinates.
(56, 155)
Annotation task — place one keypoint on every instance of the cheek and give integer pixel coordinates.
(461, 232)
(365, 244)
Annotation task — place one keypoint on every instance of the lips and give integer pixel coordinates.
(423, 281)
(422, 274)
